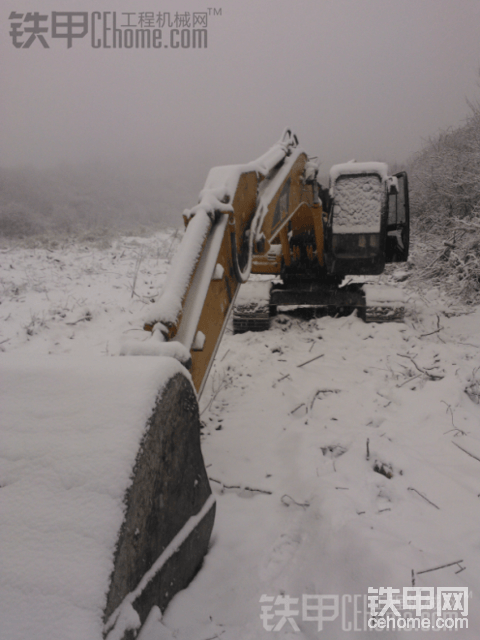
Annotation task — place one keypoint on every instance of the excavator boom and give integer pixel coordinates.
(238, 204)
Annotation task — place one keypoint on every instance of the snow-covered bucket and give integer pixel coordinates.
(105, 506)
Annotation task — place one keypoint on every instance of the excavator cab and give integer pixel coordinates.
(355, 238)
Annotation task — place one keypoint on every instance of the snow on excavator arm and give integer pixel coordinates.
(243, 209)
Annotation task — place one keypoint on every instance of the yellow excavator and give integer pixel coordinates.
(272, 217)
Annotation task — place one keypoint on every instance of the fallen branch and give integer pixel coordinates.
(316, 358)
(424, 497)
(238, 486)
(424, 371)
(465, 451)
(442, 566)
(423, 335)
(408, 380)
(319, 391)
(297, 408)
(87, 318)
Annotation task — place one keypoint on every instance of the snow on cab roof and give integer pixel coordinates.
(381, 168)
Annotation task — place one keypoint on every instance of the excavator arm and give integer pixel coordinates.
(243, 211)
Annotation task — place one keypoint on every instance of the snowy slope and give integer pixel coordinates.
(322, 521)
(300, 508)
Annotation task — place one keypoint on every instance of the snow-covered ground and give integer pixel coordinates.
(79, 298)
(342, 455)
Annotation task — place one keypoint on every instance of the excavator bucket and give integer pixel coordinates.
(102, 464)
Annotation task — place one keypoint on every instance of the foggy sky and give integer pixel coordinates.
(364, 79)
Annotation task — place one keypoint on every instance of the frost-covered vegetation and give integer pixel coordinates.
(93, 199)
(50, 292)
(445, 203)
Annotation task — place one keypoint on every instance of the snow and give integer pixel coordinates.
(281, 149)
(353, 167)
(358, 205)
(311, 169)
(200, 282)
(219, 272)
(169, 306)
(321, 520)
(152, 347)
(125, 617)
(300, 510)
(79, 298)
(222, 182)
(70, 429)
(199, 341)
(378, 294)
(254, 291)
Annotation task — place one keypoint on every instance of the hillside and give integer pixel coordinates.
(358, 469)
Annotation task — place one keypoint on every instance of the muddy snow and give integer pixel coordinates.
(343, 456)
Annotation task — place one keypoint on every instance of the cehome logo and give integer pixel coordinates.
(106, 34)
(425, 623)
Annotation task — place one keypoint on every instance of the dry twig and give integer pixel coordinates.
(465, 451)
(316, 358)
(424, 497)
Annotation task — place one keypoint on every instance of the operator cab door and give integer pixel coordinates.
(398, 222)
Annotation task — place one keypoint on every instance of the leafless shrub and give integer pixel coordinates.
(445, 203)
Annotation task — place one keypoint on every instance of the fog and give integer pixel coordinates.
(364, 79)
